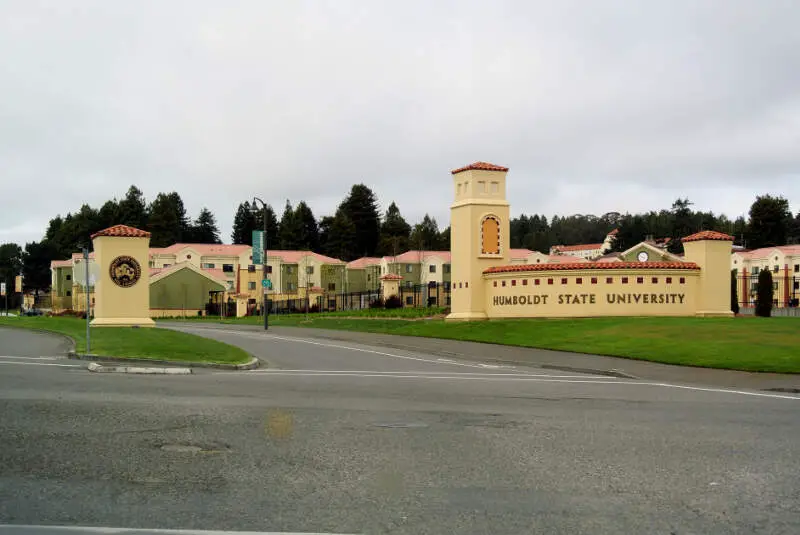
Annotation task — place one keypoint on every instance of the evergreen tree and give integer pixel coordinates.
(204, 229)
(167, 220)
(340, 237)
(770, 222)
(444, 240)
(425, 236)
(133, 209)
(395, 232)
(10, 267)
(681, 224)
(324, 228)
(109, 214)
(36, 266)
(289, 230)
(361, 208)
(244, 223)
(308, 232)
(734, 293)
(764, 294)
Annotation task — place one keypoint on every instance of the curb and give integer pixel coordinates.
(252, 364)
(97, 368)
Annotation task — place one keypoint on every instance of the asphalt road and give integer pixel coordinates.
(345, 437)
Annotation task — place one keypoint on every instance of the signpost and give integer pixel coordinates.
(260, 253)
(88, 300)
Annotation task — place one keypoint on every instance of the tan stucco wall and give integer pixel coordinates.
(115, 305)
(713, 257)
(523, 297)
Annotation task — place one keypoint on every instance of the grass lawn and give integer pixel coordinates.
(141, 343)
(744, 343)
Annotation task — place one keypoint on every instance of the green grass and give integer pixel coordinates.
(160, 344)
(744, 343)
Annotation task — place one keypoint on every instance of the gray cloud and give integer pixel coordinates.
(595, 106)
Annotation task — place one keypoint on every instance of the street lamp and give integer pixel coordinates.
(264, 263)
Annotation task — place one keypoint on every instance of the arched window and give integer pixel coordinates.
(490, 235)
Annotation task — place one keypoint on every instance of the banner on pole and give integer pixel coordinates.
(2, 288)
(258, 247)
(18, 284)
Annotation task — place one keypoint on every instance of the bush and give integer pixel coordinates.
(764, 294)
(376, 303)
(734, 294)
(314, 308)
(393, 302)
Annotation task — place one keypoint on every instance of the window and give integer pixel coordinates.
(594, 280)
(289, 270)
(549, 281)
(466, 284)
(269, 269)
(495, 284)
(332, 303)
(447, 300)
(69, 277)
(639, 280)
(227, 268)
(490, 235)
(564, 280)
(755, 271)
(609, 280)
(495, 187)
(775, 269)
(504, 284)
(669, 280)
(408, 284)
(458, 188)
(682, 280)
(797, 268)
(579, 280)
(432, 268)
(69, 293)
(409, 268)
(446, 268)
(624, 280)
(513, 282)
(369, 277)
(524, 282)
(536, 282)
(207, 266)
(251, 268)
(654, 280)
(292, 286)
(331, 286)
(797, 285)
(409, 300)
(446, 285)
(482, 186)
(167, 265)
(251, 285)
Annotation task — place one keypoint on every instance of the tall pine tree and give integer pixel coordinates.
(204, 229)
(133, 209)
(361, 208)
(340, 237)
(425, 236)
(167, 220)
(244, 222)
(395, 232)
(289, 231)
(308, 232)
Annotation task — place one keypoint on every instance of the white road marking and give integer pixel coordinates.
(43, 364)
(279, 371)
(509, 377)
(46, 530)
(29, 358)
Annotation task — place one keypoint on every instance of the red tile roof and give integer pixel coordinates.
(391, 277)
(364, 261)
(479, 166)
(204, 249)
(708, 235)
(519, 254)
(764, 252)
(60, 263)
(578, 247)
(415, 257)
(591, 266)
(122, 231)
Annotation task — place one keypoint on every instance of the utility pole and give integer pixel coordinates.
(264, 263)
(88, 299)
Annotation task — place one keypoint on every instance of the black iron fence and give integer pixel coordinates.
(785, 290)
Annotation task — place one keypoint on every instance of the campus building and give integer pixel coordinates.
(486, 283)
(588, 251)
(784, 264)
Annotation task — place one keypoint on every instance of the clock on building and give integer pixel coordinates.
(643, 256)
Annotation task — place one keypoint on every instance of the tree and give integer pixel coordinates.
(10, 267)
(764, 294)
(36, 266)
(289, 231)
(166, 220)
(444, 239)
(770, 222)
(681, 225)
(734, 293)
(204, 229)
(340, 237)
(361, 208)
(244, 223)
(395, 232)
(425, 236)
(306, 224)
(108, 215)
(133, 209)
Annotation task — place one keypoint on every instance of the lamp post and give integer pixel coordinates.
(264, 262)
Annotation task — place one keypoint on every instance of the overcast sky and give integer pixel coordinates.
(596, 106)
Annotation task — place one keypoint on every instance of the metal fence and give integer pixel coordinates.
(785, 291)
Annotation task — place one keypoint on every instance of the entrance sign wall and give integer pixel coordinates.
(486, 285)
(122, 290)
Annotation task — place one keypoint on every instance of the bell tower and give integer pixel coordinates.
(479, 235)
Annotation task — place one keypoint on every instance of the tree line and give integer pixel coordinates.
(357, 228)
